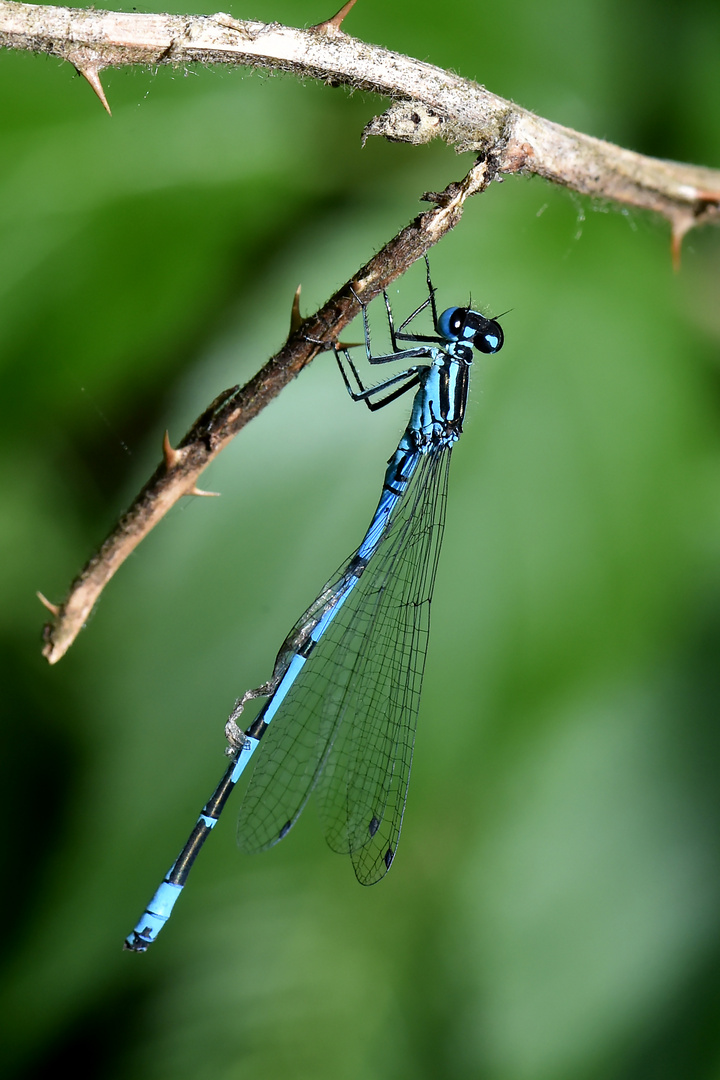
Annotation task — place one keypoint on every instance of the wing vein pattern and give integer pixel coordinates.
(347, 726)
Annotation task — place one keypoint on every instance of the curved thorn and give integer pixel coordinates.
(54, 609)
(171, 455)
(195, 490)
(332, 26)
(680, 226)
(676, 248)
(296, 319)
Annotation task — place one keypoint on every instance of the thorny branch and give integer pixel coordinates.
(427, 103)
(228, 414)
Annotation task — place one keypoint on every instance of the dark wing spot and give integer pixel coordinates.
(285, 830)
(374, 826)
(389, 856)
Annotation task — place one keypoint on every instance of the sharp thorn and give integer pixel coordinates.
(54, 609)
(170, 454)
(676, 249)
(680, 226)
(332, 26)
(296, 319)
(195, 490)
(90, 72)
(706, 205)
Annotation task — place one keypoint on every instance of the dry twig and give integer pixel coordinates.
(427, 103)
(177, 475)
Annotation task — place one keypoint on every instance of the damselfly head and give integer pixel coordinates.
(464, 324)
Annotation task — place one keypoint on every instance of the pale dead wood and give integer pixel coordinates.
(429, 102)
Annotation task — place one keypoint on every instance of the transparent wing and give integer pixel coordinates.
(347, 726)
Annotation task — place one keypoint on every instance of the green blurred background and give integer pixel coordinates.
(555, 908)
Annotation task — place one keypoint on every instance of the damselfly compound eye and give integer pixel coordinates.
(490, 339)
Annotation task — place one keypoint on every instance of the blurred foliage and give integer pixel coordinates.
(553, 912)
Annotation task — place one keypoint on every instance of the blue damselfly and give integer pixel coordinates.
(343, 699)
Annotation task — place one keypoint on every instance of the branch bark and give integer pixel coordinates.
(429, 102)
(177, 475)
